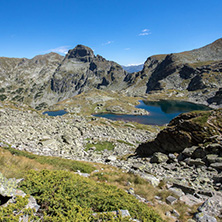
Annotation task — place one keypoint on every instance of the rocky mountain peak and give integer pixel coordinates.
(82, 53)
(218, 42)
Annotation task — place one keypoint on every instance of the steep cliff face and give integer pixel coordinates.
(81, 71)
(196, 73)
(186, 130)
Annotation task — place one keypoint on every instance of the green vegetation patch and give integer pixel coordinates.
(202, 118)
(57, 162)
(100, 146)
(64, 196)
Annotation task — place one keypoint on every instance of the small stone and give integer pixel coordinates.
(218, 178)
(131, 191)
(175, 212)
(157, 197)
(177, 191)
(172, 156)
(196, 162)
(189, 151)
(152, 179)
(190, 200)
(138, 166)
(171, 200)
(199, 153)
(124, 213)
(217, 166)
(211, 158)
(159, 158)
(213, 148)
(128, 183)
(168, 214)
(110, 158)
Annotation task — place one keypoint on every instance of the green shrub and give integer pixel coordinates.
(100, 146)
(64, 196)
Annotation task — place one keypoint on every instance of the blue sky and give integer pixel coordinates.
(125, 31)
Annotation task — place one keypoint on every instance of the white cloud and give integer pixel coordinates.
(127, 49)
(135, 64)
(145, 32)
(61, 49)
(108, 43)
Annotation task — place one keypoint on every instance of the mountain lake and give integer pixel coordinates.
(161, 112)
(55, 113)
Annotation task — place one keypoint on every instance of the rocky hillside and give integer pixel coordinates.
(26, 80)
(195, 75)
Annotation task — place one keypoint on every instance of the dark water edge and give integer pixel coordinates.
(161, 112)
(55, 113)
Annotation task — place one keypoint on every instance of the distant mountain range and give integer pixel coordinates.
(46, 79)
(133, 68)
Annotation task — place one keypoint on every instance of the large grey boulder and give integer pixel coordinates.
(203, 217)
(212, 206)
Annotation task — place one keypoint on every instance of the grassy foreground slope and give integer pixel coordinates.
(64, 195)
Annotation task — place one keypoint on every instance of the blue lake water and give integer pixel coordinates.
(55, 113)
(161, 112)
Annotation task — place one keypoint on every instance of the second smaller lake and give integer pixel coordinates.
(55, 113)
(161, 112)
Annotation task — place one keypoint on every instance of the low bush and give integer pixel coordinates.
(64, 196)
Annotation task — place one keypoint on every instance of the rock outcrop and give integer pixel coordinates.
(186, 130)
(193, 142)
